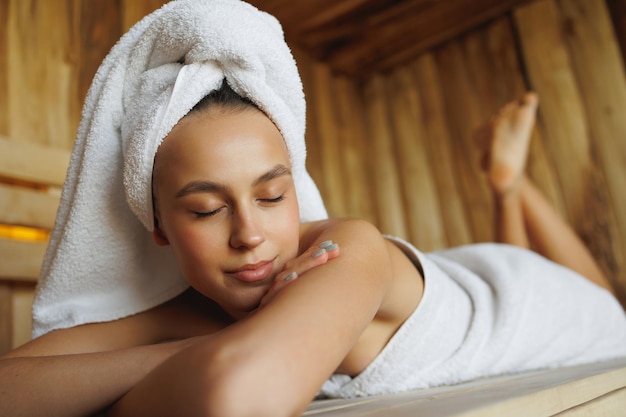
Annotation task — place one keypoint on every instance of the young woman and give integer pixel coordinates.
(252, 337)
(274, 309)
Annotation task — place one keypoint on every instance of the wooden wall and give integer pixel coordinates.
(397, 148)
(394, 148)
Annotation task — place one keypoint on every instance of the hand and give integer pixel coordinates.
(295, 268)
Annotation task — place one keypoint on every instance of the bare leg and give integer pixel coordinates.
(523, 214)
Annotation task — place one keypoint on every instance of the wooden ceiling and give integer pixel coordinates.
(361, 37)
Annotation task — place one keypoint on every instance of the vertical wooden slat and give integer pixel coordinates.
(439, 148)
(133, 10)
(617, 12)
(462, 103)
(4, 75)
(382, 162)
(549, 70)
(313, 158)
(100, 27)
(6, 317)
(41, 71)
(325, 110)
(509, 82)
(566, 125)
(22, 301)
(416, 175)
(600, 74)
(355, 152)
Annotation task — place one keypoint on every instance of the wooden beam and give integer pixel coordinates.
(21, 261)
(32, 162)
(27, 207)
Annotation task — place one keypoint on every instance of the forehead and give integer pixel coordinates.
(222, 139)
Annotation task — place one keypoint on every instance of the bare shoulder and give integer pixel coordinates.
(349, 229)
(400, 300)
(185, 316)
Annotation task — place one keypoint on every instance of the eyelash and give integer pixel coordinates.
(201, 215)
(275, 200)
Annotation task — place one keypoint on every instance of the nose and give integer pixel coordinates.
(247, 231)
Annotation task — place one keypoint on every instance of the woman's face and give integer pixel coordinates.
(226, 203)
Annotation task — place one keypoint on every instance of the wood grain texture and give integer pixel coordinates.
(6, 317)
(386, 182)
(557, 75)
(4, 75)
(31, 162)
(21, 261)
(22, 300)
(42, 70)
(421, 205)
(359, 38)
(27, 207)
(537, 394)
(600, 73)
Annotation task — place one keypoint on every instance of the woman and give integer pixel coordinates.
(252, 338)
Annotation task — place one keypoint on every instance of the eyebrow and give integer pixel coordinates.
(211, 187)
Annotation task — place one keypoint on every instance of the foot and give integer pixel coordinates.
(506, 138)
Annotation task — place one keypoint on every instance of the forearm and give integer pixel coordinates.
(74, 385)
(274, 362)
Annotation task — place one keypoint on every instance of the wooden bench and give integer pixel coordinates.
(597, 389)
(31, 178)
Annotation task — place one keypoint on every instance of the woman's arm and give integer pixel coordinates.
(82, 370)
(79, 371)
(274, 362)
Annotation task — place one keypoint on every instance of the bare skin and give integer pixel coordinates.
(524, 217)
(191, 356)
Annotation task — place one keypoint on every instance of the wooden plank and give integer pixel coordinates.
(32, 162)
(100, 27)
(537, 394)
(22, 302)
(462, 102)
(325, 110)
(439, 146)
(566, 127)
(133, 11)
(4, 75)
(508, 78)
(617, 12)
(355, 151)
(6, 317)
(314, 153)
(42, 71)
(27, 207)
(386, 184)
(600, 73)
(422, 207)
(361, 37)
(21, 261)
(611, 404)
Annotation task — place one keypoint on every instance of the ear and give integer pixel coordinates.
(159, 237)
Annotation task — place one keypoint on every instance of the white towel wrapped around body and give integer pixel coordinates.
(491, 309)
(101, 263)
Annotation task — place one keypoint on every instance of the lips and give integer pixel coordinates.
(253, 272)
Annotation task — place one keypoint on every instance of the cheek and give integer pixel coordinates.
(288, 225)
(191, 247)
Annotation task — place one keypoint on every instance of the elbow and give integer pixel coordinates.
(232, 387)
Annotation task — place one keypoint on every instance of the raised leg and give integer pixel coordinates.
(524, 217)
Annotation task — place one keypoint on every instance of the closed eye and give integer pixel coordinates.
(273, 200)
(201, 215)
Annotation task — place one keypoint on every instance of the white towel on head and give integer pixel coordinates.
(101, 263)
